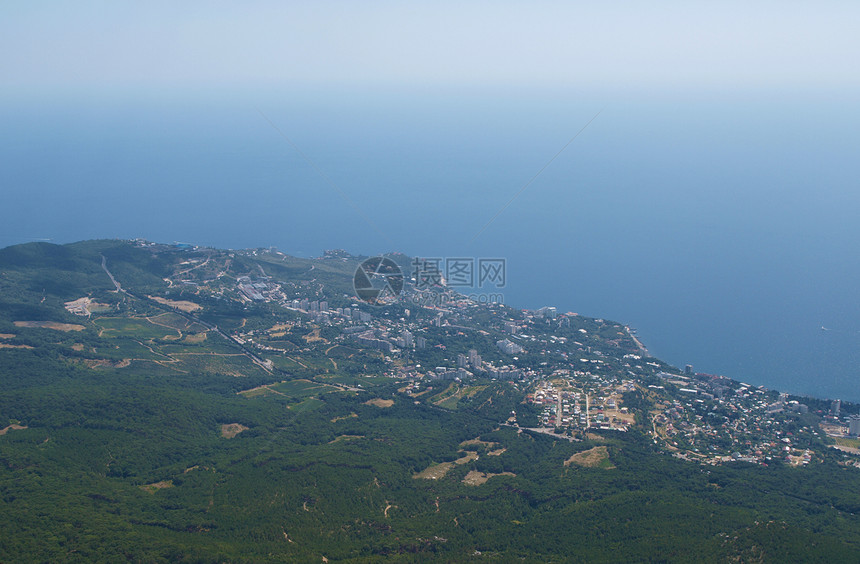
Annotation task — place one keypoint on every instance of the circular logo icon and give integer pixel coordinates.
(378, 281)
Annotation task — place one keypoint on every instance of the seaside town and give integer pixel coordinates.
(577, 375)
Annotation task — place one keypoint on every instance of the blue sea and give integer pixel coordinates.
(722, 226)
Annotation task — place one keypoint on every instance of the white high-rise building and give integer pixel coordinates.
(474, 359)
(835, 407)
(854, 426)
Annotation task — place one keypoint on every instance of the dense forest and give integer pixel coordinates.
(191, 452)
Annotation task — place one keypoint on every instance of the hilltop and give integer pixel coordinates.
(163, 402)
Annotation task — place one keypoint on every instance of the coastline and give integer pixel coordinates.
(639, 344)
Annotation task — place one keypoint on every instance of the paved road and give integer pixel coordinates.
(112, 279)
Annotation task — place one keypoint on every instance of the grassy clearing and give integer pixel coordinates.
(214, 346)
(345, 438)
(171, 320)
(132, 327)
(434, 471)
(104, 363)
(286, 363)
(845, 441)
(437, 471)
(230, 430)
(56, 326)
(475, 478)
(477, 441)
(302, 388)
(195, 339)
(491, 448)
(379, 402)
(365, 381)
(150, 368)
(181, 305)
(154, 487)
(446, 394)
(450, 398)
(309, 404)
(597, 457)
(314, 337)
(468, 456)
(236, 365)
(118, 349)
(448, 403)
(257, 392)
(292, 363)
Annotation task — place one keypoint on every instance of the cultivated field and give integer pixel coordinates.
(50, 325)
(181, 305)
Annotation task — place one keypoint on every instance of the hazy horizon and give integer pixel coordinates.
(712, 204)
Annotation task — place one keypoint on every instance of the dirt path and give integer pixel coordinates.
(164, 364)
(179, 331)
(153, 351)
(12, 427)
(387, 507)
(328, 350)
(206, 354)
(297, 362)
(202, 264)
(267, 387)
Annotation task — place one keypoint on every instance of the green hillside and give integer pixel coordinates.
(179, 420)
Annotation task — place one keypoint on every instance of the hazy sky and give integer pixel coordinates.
(606, 44)
(718, 184)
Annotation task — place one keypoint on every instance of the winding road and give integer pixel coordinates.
(254, 358)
